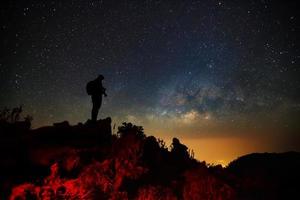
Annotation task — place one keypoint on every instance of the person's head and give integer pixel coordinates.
(100, 77)
(175, 141)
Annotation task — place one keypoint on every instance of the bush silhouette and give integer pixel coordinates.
(130, 129)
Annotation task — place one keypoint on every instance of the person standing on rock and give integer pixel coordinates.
(96, 90)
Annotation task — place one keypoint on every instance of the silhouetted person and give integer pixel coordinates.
(179, 150)
(96, 90)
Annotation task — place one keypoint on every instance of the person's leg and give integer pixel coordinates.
(96, 106)
(94, 113)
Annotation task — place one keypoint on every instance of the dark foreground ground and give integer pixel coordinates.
(87, 161)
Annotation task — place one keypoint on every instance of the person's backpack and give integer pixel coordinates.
(90, 88)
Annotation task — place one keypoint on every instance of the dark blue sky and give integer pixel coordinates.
(187, 68)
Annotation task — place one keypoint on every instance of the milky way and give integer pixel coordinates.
(193, 69)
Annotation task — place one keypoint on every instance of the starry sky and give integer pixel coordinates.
(222, 76)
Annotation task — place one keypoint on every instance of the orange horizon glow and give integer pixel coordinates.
(213, 142)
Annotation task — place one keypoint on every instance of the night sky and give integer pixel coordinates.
(222, 76)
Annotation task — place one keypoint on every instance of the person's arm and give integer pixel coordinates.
(103, 91)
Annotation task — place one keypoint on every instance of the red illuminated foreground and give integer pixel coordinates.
(88, 162)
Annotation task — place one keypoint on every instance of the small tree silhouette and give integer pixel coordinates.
(13, 115)
(4, 114)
